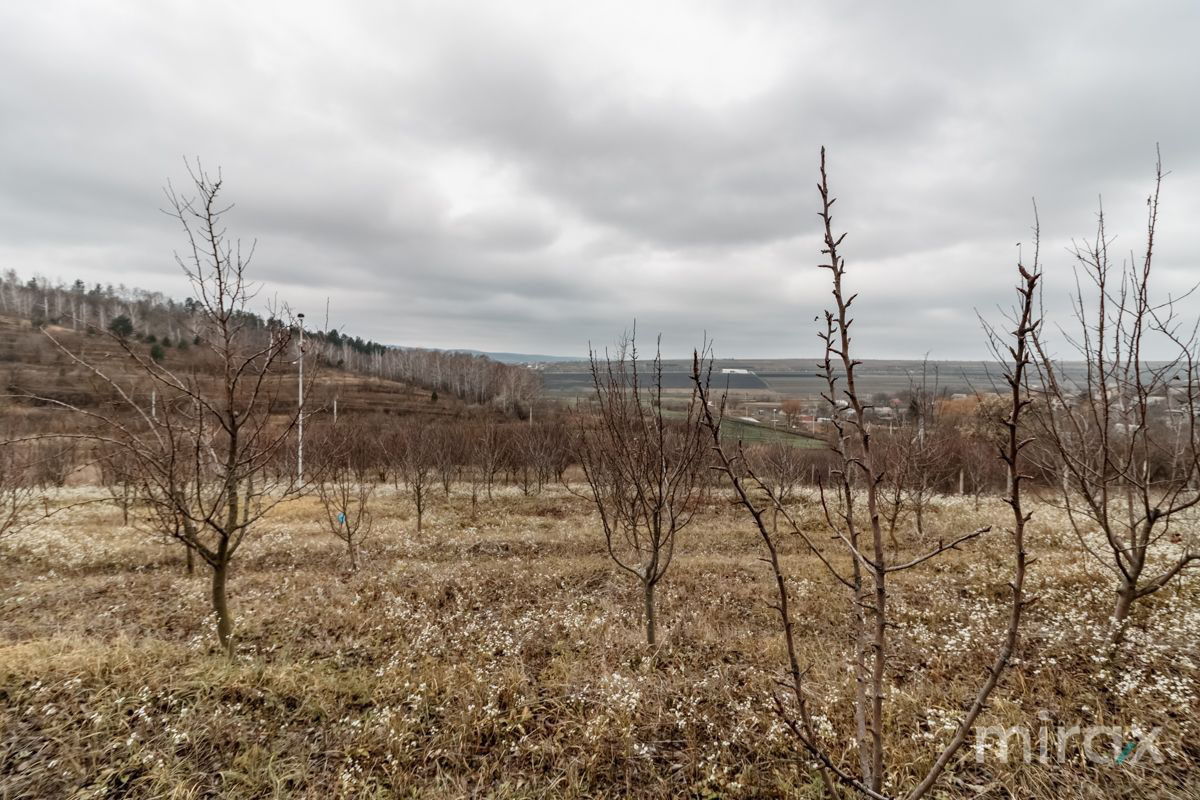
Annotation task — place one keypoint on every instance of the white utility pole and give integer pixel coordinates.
(300, 393)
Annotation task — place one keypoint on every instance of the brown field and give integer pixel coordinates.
(501, 655)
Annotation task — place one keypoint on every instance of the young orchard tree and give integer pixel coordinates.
(164, 520)
(914, 458)
(854, 521)
(894, 449)
(543, 453)
(413, 447)
(17, 491)
(522, 441)
(929, 449)
(201, 456)
(118, 473)
(472, 456)
(489, 449)
(1125, 438)
(780, 464)
(447, 447)
(643, 468)
(345, 497)
(55, 460)
(556, 457)
(366, 456)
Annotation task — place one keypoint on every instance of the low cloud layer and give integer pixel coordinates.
(529, 177)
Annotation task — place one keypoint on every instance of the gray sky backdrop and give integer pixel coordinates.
(526, 176)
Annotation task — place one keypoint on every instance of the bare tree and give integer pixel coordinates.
(17, 490)
(472, 450)
(413, 447)
(520, 454)
(781, 463)
(165, 520)
(366, 454)
(782, 466)
(344, 495)
(862, 540)
(643, 467)
(489, 455)
(915, 458)
(1124, 438)
(54, 461)
(446, 453)
(118, 473)
(201, 452)
(542, 453)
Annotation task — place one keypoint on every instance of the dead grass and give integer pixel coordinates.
(501, 656)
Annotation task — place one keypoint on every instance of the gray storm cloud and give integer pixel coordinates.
(529, 177)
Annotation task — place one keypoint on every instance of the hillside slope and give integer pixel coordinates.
(32, 365)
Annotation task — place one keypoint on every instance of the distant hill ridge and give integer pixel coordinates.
(518, 358)
(167, 324)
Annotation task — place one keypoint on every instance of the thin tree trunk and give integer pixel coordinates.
(1125, 597)
(648, 589)
(191, 559)
(860, 670)
(221, 606)
(877, 646)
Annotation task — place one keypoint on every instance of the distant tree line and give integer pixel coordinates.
(164, 322)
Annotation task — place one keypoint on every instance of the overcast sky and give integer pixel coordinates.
(526, 176)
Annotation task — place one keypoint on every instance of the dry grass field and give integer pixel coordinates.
(500, 655)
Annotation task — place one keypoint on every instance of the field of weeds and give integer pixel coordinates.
(500, 654)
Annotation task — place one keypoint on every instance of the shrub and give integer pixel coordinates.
(121, 327)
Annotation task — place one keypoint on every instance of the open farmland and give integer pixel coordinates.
(291, 509)
(499, 654)
(796, 377)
